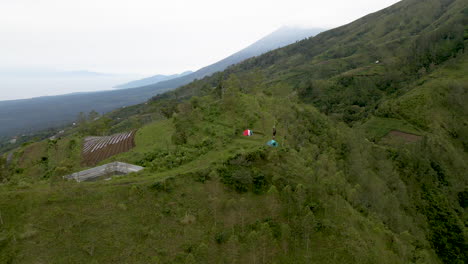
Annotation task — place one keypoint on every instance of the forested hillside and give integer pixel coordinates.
(372, 126)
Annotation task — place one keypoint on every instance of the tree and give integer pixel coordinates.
(273, 201)
(308, 226)
(202, 252)
(231, 93)
(81, 119)
(93, 115)
(82, 123)
(100, 126)
(232, 245)
(3, 169)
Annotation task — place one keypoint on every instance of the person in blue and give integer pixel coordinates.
(273, 142)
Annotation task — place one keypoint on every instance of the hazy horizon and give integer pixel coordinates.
(144, 38)
(51, 85)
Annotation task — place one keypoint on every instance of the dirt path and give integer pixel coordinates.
(403, 135)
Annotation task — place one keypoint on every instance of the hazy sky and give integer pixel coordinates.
(150, 36)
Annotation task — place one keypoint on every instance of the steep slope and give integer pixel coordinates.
(337, 69)
(151, 80)
(26, 116)
(279, 38)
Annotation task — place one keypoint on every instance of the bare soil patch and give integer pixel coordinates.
(407, 137)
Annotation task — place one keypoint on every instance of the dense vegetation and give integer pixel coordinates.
(341, 188)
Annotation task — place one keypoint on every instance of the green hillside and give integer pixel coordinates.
(371, 166)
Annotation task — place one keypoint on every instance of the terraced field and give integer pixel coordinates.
(96, 149)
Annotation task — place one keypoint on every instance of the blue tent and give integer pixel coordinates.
(272, 143)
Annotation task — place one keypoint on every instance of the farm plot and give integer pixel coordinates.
(96, 149)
